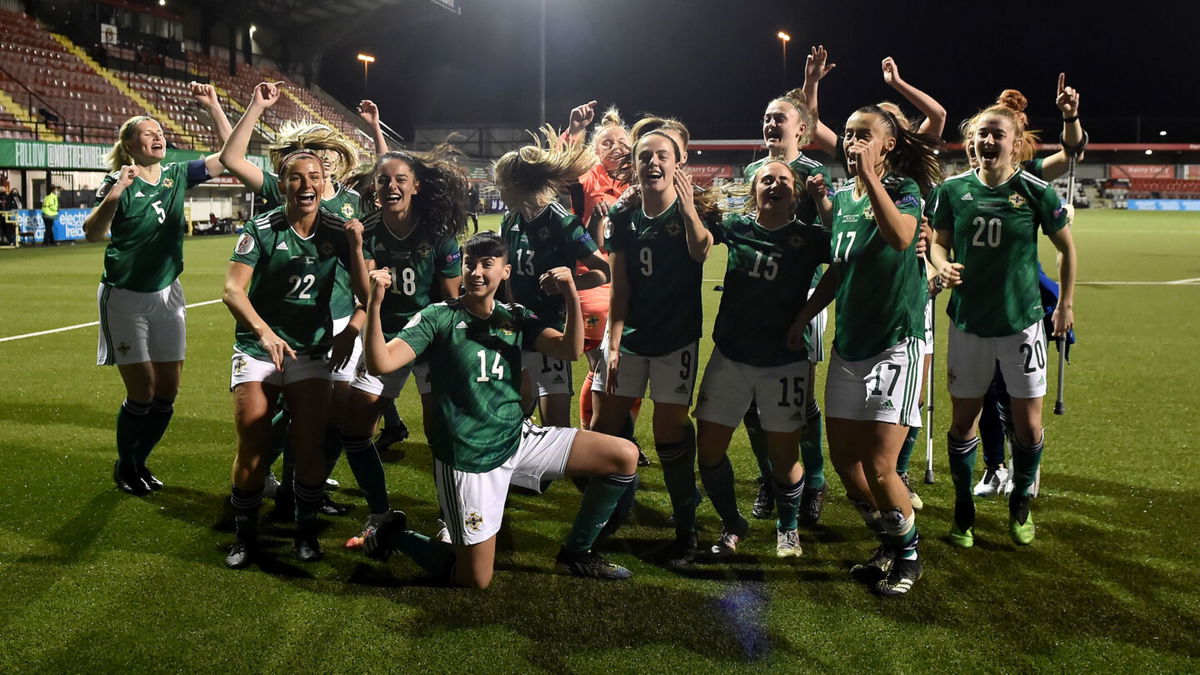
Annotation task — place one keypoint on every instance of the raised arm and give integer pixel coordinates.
(98, 222)
(699, 239)
(820, 194)
(935, 114)
(816, 67)
(896, 228)
(206, 96)
(233, 154)
(370, 113)
(1073, 135)
(382, 356)
(567, 345)
(581, 118)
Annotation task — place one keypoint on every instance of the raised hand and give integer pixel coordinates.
(369, 112)
(126, 175)
(861, 158)
(1067, 99)
(354, 233)
(266, 94)
(558, 281)
(581, 117)
(205, 94)
(891, 72)
(816, 65)
(683, 187)
(815, 184)
(381, 280)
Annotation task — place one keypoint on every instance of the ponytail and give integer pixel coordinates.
(118, 156)
(914, 156)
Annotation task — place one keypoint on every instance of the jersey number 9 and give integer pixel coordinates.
(646, 257)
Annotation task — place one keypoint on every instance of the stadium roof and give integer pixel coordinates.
(287, 13)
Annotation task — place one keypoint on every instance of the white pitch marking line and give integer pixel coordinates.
(85, 325)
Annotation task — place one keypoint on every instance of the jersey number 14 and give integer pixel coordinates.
(497, 367)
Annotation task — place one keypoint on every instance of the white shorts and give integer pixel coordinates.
(927, 349)
(139, 327)
(816, 334)
(548, 374)
(883, 388)
(391, 384)
(473, 503)
(971, 362)
(728, 387)
(246, 368)
(671, 376)
(346, 373)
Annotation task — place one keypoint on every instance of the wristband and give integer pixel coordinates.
(1076, 150)
(1072, 118)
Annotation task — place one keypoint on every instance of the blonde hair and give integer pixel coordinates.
(610, 119)
(118, 156)
(897, 113)
(294, 136)
(799, 101)
(544, 167)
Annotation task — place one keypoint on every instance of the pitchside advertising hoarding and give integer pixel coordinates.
(68, 225)
(23, 154)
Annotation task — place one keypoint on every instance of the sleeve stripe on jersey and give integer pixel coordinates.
(560, 209)
(264, 221)
(1033, 179)
(809, 162)
(847, 186)
(968, 172)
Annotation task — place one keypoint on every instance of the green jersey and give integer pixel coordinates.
(292, 282)
(804, 166)
(995, 239)
(412, 261)
(344, 203)
(766, 284)
(475, 375)
(664, 312)
(881, 292)
(146, 250)
(555, 238)
(1035, 166)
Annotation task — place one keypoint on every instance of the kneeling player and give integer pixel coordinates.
(478, 434)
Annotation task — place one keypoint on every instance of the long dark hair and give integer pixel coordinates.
(440, 206)
(915, 155)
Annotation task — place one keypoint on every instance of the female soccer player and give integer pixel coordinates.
(787, 127)
(989, 218)
(142, 328)
(543, 235)
(875, 371)
(479, 437)
(339, 158)
(279, 288)
(657, 254)
(413, 236)
(771, 260)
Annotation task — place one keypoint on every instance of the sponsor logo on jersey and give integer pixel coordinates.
(424, 249)
(453, 256)
(798, 415)
(967, 197)
(347, 210)
(245, 244)
(473, 521)
(139, 194)
(281, 246)
(1016, 200)
(168, 183)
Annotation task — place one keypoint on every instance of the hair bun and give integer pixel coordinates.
(1011, 98)
(611, 118)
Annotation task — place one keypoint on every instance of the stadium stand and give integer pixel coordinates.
(1164, 188)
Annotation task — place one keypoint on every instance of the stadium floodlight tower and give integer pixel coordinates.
(784, 39)
(367, 60)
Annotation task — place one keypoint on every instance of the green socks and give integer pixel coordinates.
(600, 499)
(962, 471)
(1025, 462)
(901, 533)
(718, 483)
(154, 425)
(787, 503)
(811, 455)
(131, 419)
(677, 461)
(433, 556)
(364, 463)
(906, 450)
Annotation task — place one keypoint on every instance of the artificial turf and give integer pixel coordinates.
(92, 579)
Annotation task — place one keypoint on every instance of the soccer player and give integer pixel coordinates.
(787, 127)
(142, 327)
(772, 258)
(279, 288)
(413, 236)
(339, 158)
(543, 235)
(875, 372)
(479, 437)
(657, 251)
(989, 218)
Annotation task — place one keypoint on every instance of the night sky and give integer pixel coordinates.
(715, 64)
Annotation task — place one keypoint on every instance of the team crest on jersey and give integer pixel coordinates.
(327, 248)
(795, 241)
(543, 233)
(168, 183)
(673, 228)
(347, 210)
(869, 212)
(592, 321)
(245, 244)
(424, 249)
(506, 326)
(1016, 200)
(474, 521)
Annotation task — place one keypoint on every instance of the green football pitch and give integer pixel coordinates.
(92, 579)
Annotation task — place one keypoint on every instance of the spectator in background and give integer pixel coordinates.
(49, 213)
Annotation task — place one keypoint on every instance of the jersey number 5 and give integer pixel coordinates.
(162, 215)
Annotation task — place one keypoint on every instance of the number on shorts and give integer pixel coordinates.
(1035, 351)
(990, 227)
(772, 266)
(547, 366)
(646, 256)
(407, 283)
(838, 254)
(685, 364)
(297, 281)
(497, 367)
(793, 395)
(878, 389)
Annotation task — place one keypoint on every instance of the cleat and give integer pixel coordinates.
(331, 484)
(994, 480)
(811, 503)
(270, 485)
(148, 478)
(129, 482)
(331, 508)
(307, 548)
(917, 503)
(241, 555)
(643, 460)
(787, 544)
(876, 568)
(390, 436)
(764, 502)
(371, 525)
(1020, 521)
(727, 543)
(681, 552)
(591, 565)
(901, 578)
(961, 538)
(443, 533)
(376, 543)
